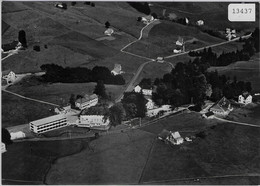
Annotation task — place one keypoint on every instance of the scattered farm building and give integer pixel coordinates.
(200, 23)
(117, 69)
(230, 34)
(17, 135)
(3, 147)
(147, 19)
(48, 124)
(147, 90)
(172, 137)
(245, 98)
(109, 32)
(98, 122)
(150, 104)
(62, 110)
(222, 107)
(208, 115)
(160, 59)
(156, 111)
(9, 76)
(87, 101)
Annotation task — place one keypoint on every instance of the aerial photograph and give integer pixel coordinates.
(130, 93)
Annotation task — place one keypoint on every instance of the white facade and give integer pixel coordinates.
(3, 147)
(147, 92)
(91, 121)
(48, 124)
(243, 100)
(17, 135)
(150, 104)
(147, 19)
(109, 32)
(9, 77)
(86, 102)
(200, 22)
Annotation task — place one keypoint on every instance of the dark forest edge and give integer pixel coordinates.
(56, 73)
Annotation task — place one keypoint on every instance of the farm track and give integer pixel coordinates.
(238, 123)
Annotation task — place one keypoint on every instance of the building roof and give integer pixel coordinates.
(222, 105)
(209, 114)
(48, 119)
(6, 72)
(117, 68)
(164, 134)
(176, 135)
(86, 98)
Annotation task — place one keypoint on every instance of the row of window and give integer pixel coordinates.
(50, 123)
(50, 128)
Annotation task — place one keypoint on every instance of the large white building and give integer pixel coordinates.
(48, 124)
(9, 76)
(87, 101)
(245, 98)
(94, 122)
(222, 107)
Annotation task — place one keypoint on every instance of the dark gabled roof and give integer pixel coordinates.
(209, 114)
(222, 105)
(86, 98)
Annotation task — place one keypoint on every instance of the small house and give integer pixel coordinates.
(147, 19)
(245, 98)
(150, 104)
(3, 147)
(172, 137)
(160, 59)
(9, 76)
(109, 32)
(222, 107)
(200, 23)
(208, 115)
(117, 69)
(147, 90)
(86, 101)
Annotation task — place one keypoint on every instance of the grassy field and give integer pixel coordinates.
(117, 159)
(30, 161)
(17, 111)
(243, 70)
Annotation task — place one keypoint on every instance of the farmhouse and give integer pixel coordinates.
(17, 135)
(208, 115)
(87, 101)
(117, 69)
(3, 147)
(98, 122)
(9, 76)
(156, 111)
(172, 137)
(200, 22)
(147, 90)
(245, 98)
(150, 104)
(48, 124)
(222, 107)
(147, 19)
(109, 32)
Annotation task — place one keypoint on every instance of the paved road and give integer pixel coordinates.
(238, 123)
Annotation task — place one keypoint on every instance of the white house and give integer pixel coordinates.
(147, 19)
(9, 76)
(109, 32)
(200, 22)
(17, 135)
(98, 122)
(3, 147)
(245, 98)
(150, 104)
(62, 110)
(175, 138)
(154, 112)
(230, 34)
(222, 107)
(87, 101)
(146, 91)
(160, 59)
(117, 69)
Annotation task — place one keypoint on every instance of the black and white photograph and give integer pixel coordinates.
(130, 93)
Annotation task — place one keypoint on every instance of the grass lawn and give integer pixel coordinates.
(243, 70)
(30, 161)
(17, 111)
(117, 159)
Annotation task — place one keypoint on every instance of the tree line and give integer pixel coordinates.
(209, 58)
(55, 73)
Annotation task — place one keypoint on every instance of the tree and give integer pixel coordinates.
(107, 24)
(72, 100)
(6, 137)
(101, 90)
(73, 3)
(139, 19)
(117, 114)
(131, 110)
(154, 15)
(22, 38)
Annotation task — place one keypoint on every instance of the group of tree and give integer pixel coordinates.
(22, 38)
(55, 73)
(89, 3)
(6, 137)
(209, 58)
(142, 7)
(191, 82)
